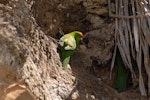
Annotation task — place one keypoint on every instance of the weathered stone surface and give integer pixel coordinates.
(30, 66)
(96, 6)
(16, 92)
(28, 56)
(99, 44)
(89, 3)
(95, 20)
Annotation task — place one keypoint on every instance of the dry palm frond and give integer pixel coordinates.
(132, 36)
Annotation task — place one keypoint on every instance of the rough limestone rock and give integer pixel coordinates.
(96, 6)
(29, 60)
(99, 45)
(30, 67)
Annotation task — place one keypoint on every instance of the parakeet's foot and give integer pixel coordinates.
(68, 67)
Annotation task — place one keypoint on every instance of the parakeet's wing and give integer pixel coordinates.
(69, 41)
(66, 54)
(68, 45)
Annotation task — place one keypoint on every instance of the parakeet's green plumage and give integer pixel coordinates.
(69, 44)
(122, 75)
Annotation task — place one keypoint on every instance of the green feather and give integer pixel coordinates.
(72, 40)
(66, 54)
(122, 75)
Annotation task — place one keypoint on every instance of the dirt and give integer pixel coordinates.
(93, 81)
(53, 16)
(90, 64)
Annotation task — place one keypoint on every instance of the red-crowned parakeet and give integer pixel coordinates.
(69, 43)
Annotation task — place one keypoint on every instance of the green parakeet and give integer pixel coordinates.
(122, 75)
(68, 44)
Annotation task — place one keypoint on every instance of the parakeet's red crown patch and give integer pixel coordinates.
(82, 35)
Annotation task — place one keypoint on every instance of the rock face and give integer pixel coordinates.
(96, 6)
(30, 66)
(83, 15)
(29, 59)
(100, 44)
(16, 92)
(69, 15)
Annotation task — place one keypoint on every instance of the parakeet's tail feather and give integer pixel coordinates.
(66, 54)
(66, 62)
(122, 75)
(121, 82)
